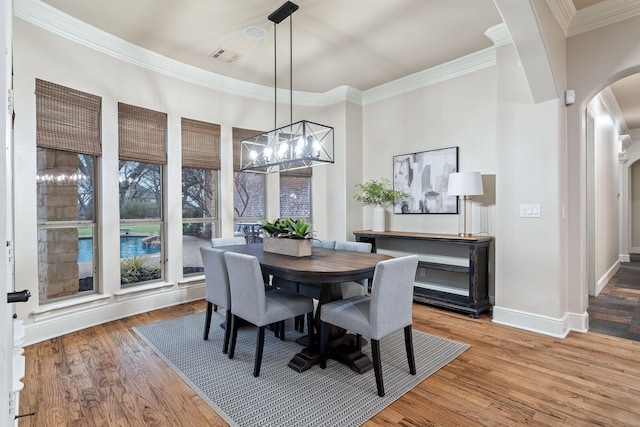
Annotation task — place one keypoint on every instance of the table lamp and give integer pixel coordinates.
(465, 184)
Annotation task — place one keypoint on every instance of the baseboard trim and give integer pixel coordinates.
(625, 257)
(546, 325)
(602, 282)
(92, 315)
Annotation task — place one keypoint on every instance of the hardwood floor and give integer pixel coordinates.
(616, 310)
(107, 376)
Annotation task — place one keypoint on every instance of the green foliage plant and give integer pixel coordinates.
(288, 228)
(134, 270)
(376, 192)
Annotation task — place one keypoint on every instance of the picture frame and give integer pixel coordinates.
(424, 176)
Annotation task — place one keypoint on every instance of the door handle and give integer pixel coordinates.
(21, 296)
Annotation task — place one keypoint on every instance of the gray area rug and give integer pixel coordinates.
(335, 396)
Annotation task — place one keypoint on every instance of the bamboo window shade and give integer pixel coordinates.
(142, 134)
(200, 144)
(67, 119)
(240, 134)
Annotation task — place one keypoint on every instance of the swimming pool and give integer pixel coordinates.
(129, 246)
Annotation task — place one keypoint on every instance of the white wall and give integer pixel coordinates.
(458, 112)
(529, 277)
(606, 193)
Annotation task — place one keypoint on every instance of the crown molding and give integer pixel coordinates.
(61, 24)
(601, 14)
(564, 11)
(499, 35)
(464, 65)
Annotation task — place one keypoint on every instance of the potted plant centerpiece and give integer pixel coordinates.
(287, 236)
(378, 193)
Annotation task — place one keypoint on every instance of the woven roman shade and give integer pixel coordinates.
(200, 145)
(238, 135)
(142, 134)
(67, 119)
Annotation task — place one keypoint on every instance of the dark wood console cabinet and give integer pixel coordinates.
(453, 271)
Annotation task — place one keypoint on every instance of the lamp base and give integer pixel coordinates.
(465, 235)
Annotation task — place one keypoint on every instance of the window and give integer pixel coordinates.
(200, 166)
(68, 140)
(295, 194)
(142, 138)
(248, 187)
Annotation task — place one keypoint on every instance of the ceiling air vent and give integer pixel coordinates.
(225, 55)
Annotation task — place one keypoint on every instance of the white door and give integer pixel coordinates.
(7, 410)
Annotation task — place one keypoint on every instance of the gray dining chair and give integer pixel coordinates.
(225, 241)
(217, 289)
(228, 241)
(325, 244)
(388, 310)
(250, 302)
(350, 289)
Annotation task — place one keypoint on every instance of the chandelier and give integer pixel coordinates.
(298, 145)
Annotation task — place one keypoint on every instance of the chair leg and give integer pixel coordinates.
(227, 332)
(310, 328)
(259, 347)
(408, 343)
(377, 366)
(207, 321)
(215, 307)
(281, 328)
(324, 343)
(359, 342)
(234, 335)
(299, 323)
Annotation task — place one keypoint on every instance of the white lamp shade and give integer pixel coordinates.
(465, 184)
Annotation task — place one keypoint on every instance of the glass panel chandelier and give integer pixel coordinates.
(298, 145)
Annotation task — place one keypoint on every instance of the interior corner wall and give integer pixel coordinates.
(459, 112)
(530, 291)
(331, 181)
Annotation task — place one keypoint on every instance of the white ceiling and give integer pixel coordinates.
(359, 43)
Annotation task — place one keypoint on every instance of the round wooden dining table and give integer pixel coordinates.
(326, 268)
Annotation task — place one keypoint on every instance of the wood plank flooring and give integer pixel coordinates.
(107, 376)
(616, 310)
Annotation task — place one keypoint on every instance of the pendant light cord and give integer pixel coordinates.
(275, 77)
(291, 69)
(275, 73)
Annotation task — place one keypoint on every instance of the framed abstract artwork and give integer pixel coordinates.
(424, 176)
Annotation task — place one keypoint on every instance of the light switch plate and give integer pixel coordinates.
(531, 210)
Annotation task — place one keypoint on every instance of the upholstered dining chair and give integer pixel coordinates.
(321, 243)
(388, 309)
(225, 241)
(350, 289)
(217, 289)
(250, 302)
(228, 241)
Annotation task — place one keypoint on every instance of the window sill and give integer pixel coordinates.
(66, 307)
(133, 291)
(192, 280)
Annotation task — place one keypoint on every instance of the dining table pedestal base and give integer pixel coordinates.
(343, 350)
